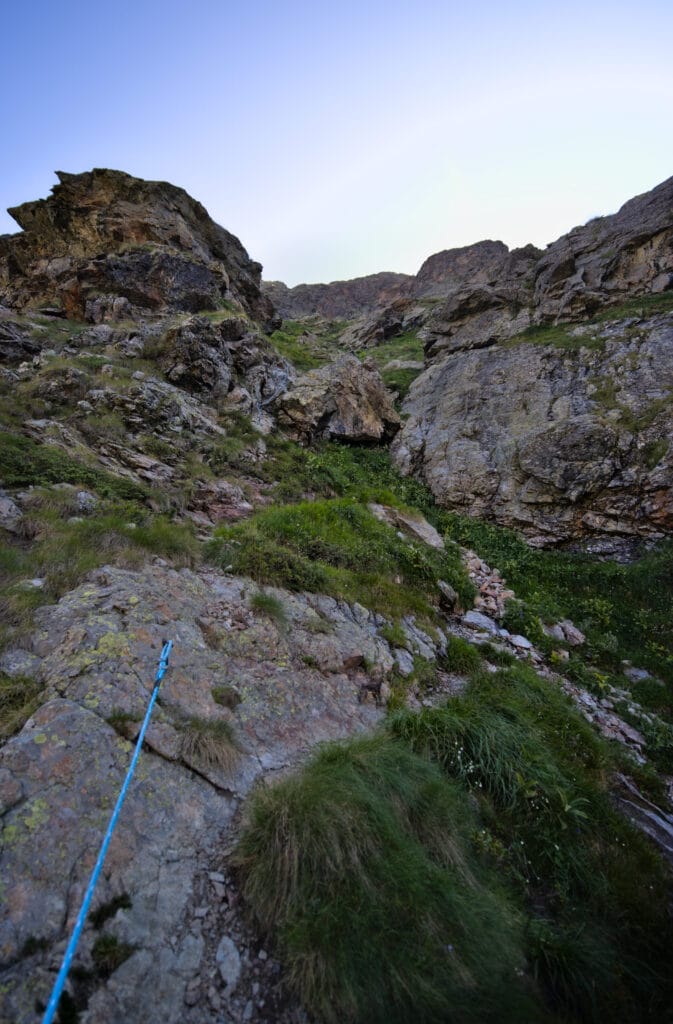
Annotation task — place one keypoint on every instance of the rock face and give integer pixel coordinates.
(471, 264)
(344, 401)
(592, 267)
(489, 294)
(106, 245)
(340, 300)
(209, 358)
(95, 653)
(560, 445)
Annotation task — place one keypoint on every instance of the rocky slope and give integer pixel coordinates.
(340, 300)
(559, 431)
(166, 472)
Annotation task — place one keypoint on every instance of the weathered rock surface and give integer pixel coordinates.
(96, 652)
(212, 358)
(410, 523)
(562, 445)
(345, 400)
(105, 245)
(16, 343)
(339, 300)
(594, 266)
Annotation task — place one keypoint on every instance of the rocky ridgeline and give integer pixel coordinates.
(562, 433)
(108, 246)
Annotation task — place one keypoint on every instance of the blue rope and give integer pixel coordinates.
(84, 909)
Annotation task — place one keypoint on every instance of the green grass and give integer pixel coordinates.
(24, 462)
(599, 936)
(461, 656)
(642, 306)
(364, 870)
(271, 606)
(337, 547)
(625, 610)
(209, 743)
(19, 698)
(558, 335)
(308, 343)
(400, 381)
(408, 347)
(63, 552)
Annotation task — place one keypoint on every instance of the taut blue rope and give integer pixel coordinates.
(88, 896)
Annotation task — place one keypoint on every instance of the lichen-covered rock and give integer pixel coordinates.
(281, 689)
(345, 401)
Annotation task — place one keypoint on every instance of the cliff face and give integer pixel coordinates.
(562, 431)
(593, 267)
(340, 300)
(563, 445)
(106, 245)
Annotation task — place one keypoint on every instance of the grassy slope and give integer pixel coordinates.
(521, 798)
(498, 885)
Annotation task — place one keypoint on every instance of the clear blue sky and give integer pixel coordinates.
(341, 139)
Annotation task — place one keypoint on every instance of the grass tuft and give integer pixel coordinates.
(209, 743)
(108, 953)
(19, 698)
(268, 604)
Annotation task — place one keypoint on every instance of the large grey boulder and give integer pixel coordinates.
(345, 401)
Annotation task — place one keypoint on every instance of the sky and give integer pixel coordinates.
(337, 140)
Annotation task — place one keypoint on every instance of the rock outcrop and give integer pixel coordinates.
(345, 401)
(339, 300)
(600, 264)
(95, 653)
(562, 445)
(106, 246)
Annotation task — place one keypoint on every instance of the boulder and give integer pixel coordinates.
(10, 513)
(411, 523)
(344, 401)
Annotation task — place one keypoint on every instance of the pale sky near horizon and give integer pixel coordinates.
(341, 140)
